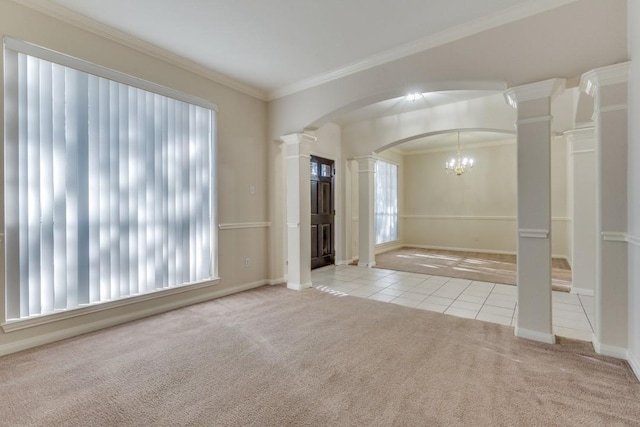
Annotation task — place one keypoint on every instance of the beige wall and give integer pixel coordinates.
(242, 162)
(475, 211)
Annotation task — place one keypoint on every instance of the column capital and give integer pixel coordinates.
(298, 144)
(298, 137)
(592, 80)
(366, 163)
(530, 92)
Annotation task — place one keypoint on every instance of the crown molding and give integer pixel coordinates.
(83, 22)
(544, 89)
(476, 26)
(604, 76)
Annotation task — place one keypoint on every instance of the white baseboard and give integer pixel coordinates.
(298, 286)
(583, 291)
(535, 335)
(277, 281)
(344, 262)
(634, 363)
(609, 350)
(62, 334)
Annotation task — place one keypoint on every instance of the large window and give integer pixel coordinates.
(386, 206)
(109, 184)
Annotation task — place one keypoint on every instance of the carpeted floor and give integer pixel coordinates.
(275, 357)
(494, 268)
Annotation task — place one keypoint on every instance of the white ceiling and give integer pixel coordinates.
(448, 141)
(401, 105)
(272, 45)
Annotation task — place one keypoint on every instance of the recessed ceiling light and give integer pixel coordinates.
(413, 96)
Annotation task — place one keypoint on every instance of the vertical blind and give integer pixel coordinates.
(108, 188)
(386, 202)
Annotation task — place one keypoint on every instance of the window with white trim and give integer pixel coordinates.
(386, 202)
(109, 184)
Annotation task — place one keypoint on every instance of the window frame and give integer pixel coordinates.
(13, 46)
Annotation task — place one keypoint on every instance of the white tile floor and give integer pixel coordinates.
(490, 302)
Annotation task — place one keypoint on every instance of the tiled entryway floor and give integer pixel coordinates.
(490, 302)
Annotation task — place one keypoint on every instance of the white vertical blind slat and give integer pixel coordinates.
(59, 161)
(46, 186)
(93, 152)
(110, 195)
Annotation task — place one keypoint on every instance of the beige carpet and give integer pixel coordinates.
(494, 268)
(275, 357)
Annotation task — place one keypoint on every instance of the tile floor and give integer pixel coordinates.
(490, 302)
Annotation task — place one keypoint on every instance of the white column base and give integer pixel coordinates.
(609, 350)
(583, 291)
(298, 286)
(366, 264)
(535, 335)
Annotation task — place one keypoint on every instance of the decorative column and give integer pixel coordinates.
(298, 210)
(366, 225)
(582, 148)
(608, 86)
(533, 103)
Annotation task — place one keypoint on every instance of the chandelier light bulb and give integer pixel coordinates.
(459, 164)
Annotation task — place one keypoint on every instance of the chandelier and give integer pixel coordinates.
(460, 164)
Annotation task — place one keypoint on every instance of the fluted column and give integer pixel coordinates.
(366, 225)
(533, 103)
(608, 86)
(298, 210)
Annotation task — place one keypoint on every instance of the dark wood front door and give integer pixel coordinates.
(322, 212)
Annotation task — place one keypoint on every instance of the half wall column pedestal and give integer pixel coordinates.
(366, 226)
(298, 210)
(533, 103)
(608, 86)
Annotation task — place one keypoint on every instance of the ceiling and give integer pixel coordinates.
(448, 141)
(276, 47)
(401, 105)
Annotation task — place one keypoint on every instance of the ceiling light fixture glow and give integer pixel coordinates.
(413, 97)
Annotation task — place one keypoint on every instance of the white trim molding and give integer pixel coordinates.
(604, 76)
(533, 233)
(532, 120)
(535, 335)
(61, 334)
(298, 287)
(614, 236)
(240, 225)
(19, 324)
(609, 350)
(583, 291)
(544, 89)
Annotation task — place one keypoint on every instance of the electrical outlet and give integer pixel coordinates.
(247, 262)
(252, 189)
